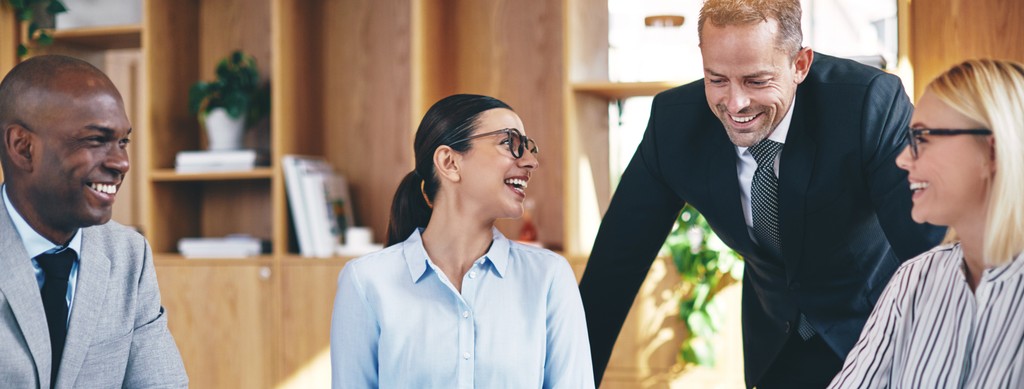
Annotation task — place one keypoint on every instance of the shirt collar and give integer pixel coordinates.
(416, 258)
(779, 135)
(35, 243)
(1006, 270)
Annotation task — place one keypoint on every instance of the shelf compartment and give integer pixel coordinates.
(208, 209)
(101, 38)
(170, 175)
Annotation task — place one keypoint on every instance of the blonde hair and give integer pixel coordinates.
(745, 12)
(991, 92)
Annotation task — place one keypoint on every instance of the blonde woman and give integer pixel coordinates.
(954, 316)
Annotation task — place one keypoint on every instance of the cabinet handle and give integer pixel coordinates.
(265, 273)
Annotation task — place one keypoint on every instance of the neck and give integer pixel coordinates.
(972, 242)
(35, 220)
(454, 241)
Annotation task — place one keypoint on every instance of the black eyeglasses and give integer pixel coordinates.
(914, 133)
(517, 142)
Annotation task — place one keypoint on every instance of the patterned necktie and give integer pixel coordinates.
(764, 204)
(56, 268)
(764, 196)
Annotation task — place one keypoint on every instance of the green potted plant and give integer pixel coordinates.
(40, 16)
(706, 266)
(232, 102)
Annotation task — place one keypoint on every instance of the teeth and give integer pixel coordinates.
(742, 119)
(104, 188)
(518, 183)
(918, 185)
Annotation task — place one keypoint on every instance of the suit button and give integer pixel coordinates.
(787, 327)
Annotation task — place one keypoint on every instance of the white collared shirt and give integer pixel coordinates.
(746, 165)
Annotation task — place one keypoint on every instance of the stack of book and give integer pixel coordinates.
(318, 198)
(231, 246)
(203, 161)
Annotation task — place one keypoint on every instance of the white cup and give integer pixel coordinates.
(358, 236)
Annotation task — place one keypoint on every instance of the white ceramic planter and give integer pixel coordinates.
(223, 131)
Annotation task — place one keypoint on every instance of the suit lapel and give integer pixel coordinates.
(18, 284)
(794, 176)
(90, 292)
(724, 192)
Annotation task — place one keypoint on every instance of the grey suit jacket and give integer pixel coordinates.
(117, 333)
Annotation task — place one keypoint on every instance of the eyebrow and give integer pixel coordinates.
(107, 131)
(762, 73)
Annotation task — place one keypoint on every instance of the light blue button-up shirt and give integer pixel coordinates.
(36, 244)
(518, 323)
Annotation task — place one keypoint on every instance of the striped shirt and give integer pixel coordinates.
(929, 330)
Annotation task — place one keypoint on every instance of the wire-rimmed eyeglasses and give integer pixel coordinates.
(517, 142)
(913, 135)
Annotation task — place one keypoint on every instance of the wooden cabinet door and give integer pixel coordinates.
(220, 315)
(307, 300)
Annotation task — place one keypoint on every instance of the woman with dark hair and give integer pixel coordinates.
(452, 302)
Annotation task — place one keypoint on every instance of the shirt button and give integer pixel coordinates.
(465, 314)
(472, 274)
(465, 355)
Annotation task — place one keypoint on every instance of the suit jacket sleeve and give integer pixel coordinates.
(154, 361)
(886, 118)
(639, 218)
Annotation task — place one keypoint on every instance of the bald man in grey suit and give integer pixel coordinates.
(79, 302)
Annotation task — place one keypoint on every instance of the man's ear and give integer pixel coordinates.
(18, 145)
(447, 164)
(802, 63)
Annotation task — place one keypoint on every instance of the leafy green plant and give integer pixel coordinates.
(28, 11)
(706, 266)
(237, 89)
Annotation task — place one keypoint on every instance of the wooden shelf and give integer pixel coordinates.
(621, 90)
(101, 38)
(175, 259)
(165, 175)
(295, 259)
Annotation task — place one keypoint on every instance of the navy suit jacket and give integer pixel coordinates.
(844, 210)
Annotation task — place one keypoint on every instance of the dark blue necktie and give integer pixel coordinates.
(56, 268)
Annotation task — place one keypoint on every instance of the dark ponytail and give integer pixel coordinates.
(408, 209)
(451, 119)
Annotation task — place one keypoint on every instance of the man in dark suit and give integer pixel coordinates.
(79, 302)
(789, 155)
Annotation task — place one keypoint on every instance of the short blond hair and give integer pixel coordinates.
(745, 12)
(991, 92)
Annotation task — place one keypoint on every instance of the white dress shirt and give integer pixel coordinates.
(929, 330)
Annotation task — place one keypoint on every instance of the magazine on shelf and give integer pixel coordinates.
(318, 198)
